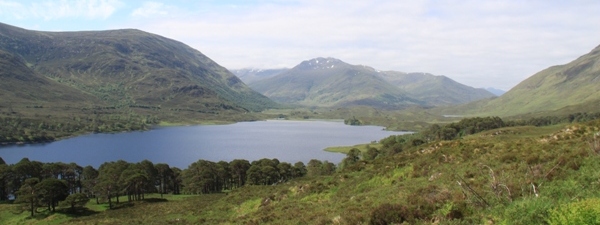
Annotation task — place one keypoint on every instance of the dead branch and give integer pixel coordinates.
(471, 190)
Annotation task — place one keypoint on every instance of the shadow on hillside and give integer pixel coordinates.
(152, 200)
(78, 212)
(124, 205)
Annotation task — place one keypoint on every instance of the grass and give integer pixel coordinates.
(346, 149)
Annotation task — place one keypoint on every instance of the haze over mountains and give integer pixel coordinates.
(435, 90)
(249, 75)
(331, 82)
(495, 91)
(116, 68)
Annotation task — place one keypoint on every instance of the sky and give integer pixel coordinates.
(475, 42)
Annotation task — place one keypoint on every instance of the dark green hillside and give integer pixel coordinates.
(22, 86)
(435, 90)
(329, 82)
(131, 68)
(559, 88)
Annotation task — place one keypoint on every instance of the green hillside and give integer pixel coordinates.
(127, 68)
(22, 86)
(435, 90)
(329, 82)
(558, 88)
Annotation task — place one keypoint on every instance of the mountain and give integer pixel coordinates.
(118, 68)
(249, 75)
(495, 91)
(575, 84)
(330, 82)
(22, 86)
(435, 90)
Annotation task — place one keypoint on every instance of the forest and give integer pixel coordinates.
(33, 184)
(34, 130)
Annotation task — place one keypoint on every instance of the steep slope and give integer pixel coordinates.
(22, 86)
(435, 90)
(330, 82)
(575, 83)
(252, 75)
(132, 68)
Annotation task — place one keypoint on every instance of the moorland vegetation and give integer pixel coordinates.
(501, 174)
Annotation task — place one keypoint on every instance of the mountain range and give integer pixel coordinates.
(135, 70)
(116, 68)
(331, 82)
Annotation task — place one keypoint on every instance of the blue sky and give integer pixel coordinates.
(475, 42)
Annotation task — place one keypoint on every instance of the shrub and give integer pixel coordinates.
(581, 212)
(390, 214)
(527, 211)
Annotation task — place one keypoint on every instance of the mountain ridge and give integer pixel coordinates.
(330, 82)
(311, 76)
(130, 67)
(557, 90)
(554, 88)
(437, 90)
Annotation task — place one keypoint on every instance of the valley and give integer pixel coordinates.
(527, 156)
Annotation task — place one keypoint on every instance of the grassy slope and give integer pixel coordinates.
(556, 88)
(483, 178)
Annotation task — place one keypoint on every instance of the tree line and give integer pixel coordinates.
(467, 126)
(29, 130)
(33, 184)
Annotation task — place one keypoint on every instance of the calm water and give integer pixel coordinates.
(288, 141)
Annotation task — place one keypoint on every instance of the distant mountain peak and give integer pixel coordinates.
(321, 63)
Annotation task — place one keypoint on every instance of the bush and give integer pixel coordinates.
(527, 211)
(581, 212)
(389, 214)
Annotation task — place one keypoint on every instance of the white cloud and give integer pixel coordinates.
(479, 43)
(52, 10)
(149, 9)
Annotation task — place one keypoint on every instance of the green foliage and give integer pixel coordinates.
(390, 214)
(352, 122)
(52, 191)
(76, 200)
(464, 127)
(586, 211)
(527, 211)
(352, 157)
(317, 167)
